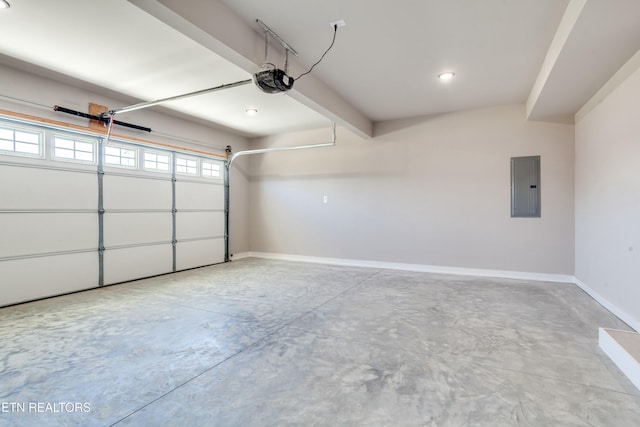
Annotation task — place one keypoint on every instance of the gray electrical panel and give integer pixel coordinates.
(525, 187)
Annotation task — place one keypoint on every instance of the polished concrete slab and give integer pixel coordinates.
(262, 342)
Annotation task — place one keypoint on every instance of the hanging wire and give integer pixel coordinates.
(335, 31)
(112, 118)
(190, 141)
(24, 101)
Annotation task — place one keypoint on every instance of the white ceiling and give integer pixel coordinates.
(118, 46)
(386, 60)
(383, 65)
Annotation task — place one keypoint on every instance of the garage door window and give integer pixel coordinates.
(21, 142)
(156, 161)
(71, 149)
(186, 166)
(120, 156)
(210, 169)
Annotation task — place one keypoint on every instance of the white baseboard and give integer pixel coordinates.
(540, 277)
(241, 255)
(411, 267)
(619, 345)
(621, 314)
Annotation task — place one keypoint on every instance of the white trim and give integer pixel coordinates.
(623, 359)
(241, 255)
(543, 277)
(621, 314)
(562, 278)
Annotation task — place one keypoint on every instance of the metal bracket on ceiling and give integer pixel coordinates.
(268, 32)
(284, 44)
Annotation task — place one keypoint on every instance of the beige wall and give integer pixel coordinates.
(607, 198)
(239, 205)
(432, 191)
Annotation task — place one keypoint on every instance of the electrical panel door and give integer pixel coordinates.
(525, 187)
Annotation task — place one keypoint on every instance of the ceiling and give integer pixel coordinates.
(552, 55)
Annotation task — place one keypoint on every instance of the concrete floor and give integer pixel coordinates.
(269, 343)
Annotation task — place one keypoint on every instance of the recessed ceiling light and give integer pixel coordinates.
(251, 111)
(4, 4)
(447, 75)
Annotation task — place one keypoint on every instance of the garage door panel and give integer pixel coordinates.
(193, 225)
(192, 195)
(55, 213)
(37, 233)
(199, 252)
(127, 228)
(31, 188)
(32, 278)
(123, 192)
(121, 265)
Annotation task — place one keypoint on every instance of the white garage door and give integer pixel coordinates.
(76, 213)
